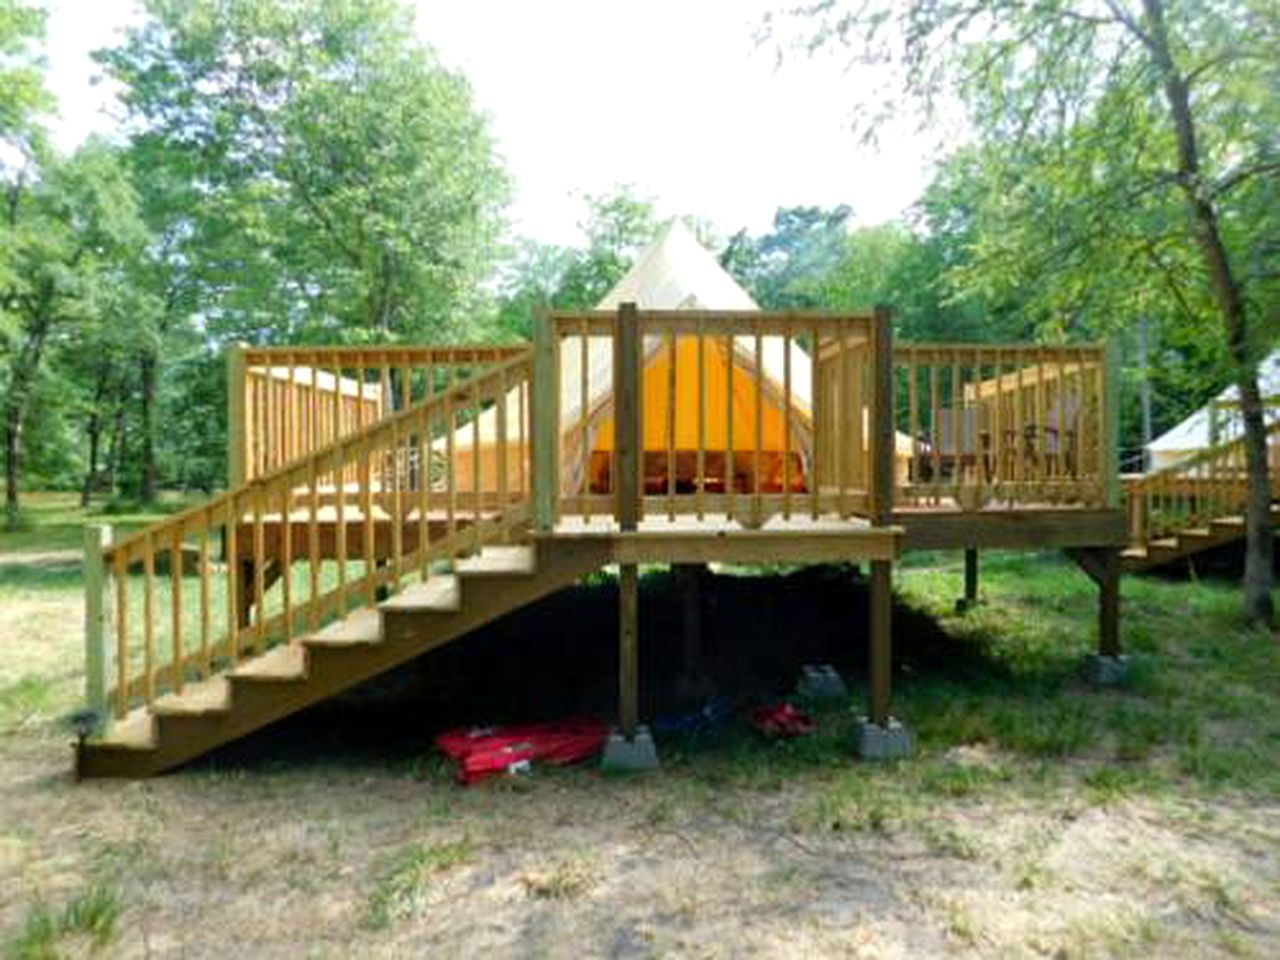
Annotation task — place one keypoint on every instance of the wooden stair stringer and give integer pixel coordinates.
(332, 663)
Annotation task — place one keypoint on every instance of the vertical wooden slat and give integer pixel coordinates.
(259, 569)
(176, 644)
(451, 479)
(819, 411)
(365, 482)
(286, 556)
(1040, 401)
(340, 526)
(398, 461)
(913, 419)
(149, 617)
(120, 569)
(842, 422)
(858, 410)
(424, 491)
(957, 424)
(936, 415)
(699, 490)
(584, 407)
(235, 573)
(206, 611)
(1111, 433)
(786, 425)
(313, 542)
(522, 430)
(730, 465)
(757, 505)
(504, 451)
(671, 425)
(475, 465)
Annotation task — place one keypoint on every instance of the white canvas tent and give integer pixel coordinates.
(675, 273)
(1217, 421)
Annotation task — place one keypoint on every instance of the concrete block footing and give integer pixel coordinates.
(623, 754)
(1107, 671)
(889, 742)
(821, 682)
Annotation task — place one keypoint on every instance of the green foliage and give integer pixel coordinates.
(89, 916)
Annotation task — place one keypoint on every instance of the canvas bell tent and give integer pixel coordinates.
(1218, 421)
(675, 273)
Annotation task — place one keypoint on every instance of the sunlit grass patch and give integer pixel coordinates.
(402, 888)
(89, 919)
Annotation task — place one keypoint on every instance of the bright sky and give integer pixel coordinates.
(672, 96)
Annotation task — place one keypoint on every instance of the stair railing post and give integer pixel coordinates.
(237, 409)
(97, 539)
(1111, 398)
(544, 416)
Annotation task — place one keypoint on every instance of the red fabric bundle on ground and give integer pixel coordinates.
(484, 752)
(782, 720)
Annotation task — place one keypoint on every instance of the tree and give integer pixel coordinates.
(787, 267)
(71, 225)
(1135, 148)
(339, 183)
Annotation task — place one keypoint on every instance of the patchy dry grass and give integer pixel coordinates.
(1039, 818)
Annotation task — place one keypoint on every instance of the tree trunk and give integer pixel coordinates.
(95, 437)
(1259, 546)
(22, 376)
(115, 454)
(147, 484)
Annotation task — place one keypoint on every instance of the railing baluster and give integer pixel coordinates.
(149, 616)
(451, 490)
(700, 488)
(584, 411)
(819, 411)
(758, 503)
(259, 570)
(206, 617)
(671, 425)
(176, 645)
(285, 548)
(120, 570)
(786, 425)
(730, 469)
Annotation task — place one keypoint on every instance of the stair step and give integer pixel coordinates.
(1134, 553)
(498, 561)
(1196, 533)
(285, 662)
(362, 626)
(135, 732)
(208, 696)
(1232, 523)
(441, 594)
(1165, 543)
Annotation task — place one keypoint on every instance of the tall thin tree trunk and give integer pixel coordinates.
(94, 429)
(1259, 545)
(147, 485)
(22, 377)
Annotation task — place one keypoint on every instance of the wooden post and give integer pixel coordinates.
(970, 576)
(626, 420)
(545, 421)
(97, 537)
(236, 452)
(882, 480)
(626, 414)
(1111, 397)
(1109, 603)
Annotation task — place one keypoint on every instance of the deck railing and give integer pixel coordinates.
(985, 424)
(207, 588)
(287, 401)
(1190, 494)
(726, 411)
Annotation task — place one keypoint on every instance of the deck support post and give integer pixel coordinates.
(879, 736)
(1109, 666)
(630, 747)
(97, 537)
(544, 421)
(970, 598)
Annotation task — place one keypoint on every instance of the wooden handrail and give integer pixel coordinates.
(1210, 484)
(281, 518)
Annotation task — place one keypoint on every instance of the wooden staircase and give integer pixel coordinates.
(1192, 506)
(180, 726)
(1186, 543)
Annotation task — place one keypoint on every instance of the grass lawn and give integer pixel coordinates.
(1040, 817)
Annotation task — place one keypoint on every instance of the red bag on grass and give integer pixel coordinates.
(782, 720)
(484, 752)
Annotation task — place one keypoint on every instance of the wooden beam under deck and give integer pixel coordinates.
(1022, 529)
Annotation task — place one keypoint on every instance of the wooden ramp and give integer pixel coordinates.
(177, 727)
